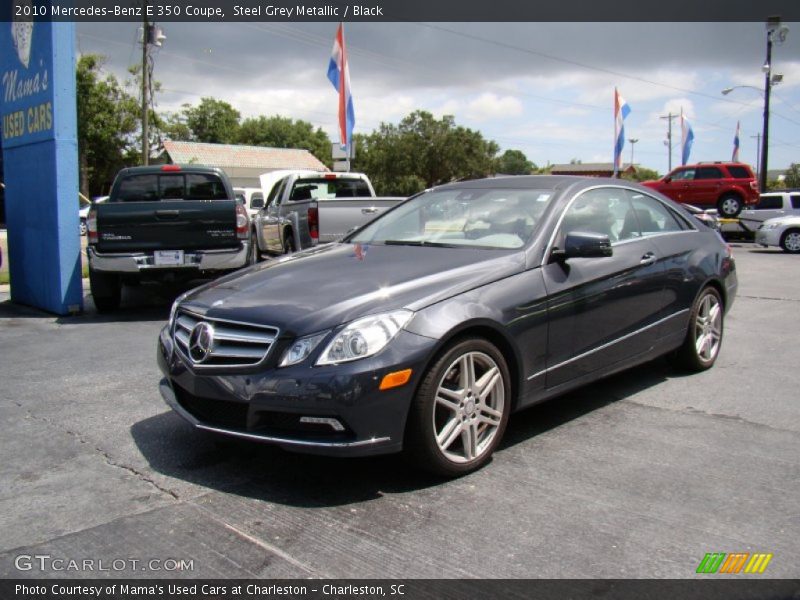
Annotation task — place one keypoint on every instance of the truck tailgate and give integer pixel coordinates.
(166, 225)
(338, 216)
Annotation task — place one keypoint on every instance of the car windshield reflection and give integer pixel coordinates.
(472, 218)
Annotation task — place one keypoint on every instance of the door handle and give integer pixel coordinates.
(167, 214)
(369, 211)
(648, 259)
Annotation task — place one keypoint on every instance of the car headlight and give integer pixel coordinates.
(300, 349)
(364, 337)
(774, 225)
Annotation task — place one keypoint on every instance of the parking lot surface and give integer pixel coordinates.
(638, 476)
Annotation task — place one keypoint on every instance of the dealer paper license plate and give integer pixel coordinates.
(163, 258)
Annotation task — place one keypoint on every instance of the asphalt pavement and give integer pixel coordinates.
(638, 476)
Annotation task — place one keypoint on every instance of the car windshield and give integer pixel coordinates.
(485, 218)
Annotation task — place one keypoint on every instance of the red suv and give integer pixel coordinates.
(728, 186)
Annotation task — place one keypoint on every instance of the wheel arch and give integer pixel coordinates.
(493, 334)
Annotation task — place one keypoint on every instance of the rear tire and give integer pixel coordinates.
(461, 409)
(790, 241)
(106, 291)
(729, 206)
(704, 335)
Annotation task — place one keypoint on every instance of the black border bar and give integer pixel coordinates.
(402, 10)
(742, 588)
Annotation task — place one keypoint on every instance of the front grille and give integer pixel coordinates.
(232, 344)
(220, 413)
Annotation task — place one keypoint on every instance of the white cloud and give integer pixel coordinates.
(491, 106)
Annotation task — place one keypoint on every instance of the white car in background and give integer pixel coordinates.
(246, 195)
(781, 231)
(85, 205)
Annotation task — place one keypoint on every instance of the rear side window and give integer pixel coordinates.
(326, 189)
(708, 173)
(740, 173)
(795, 200)
(653, 217)
(769, 203)
(171, 186)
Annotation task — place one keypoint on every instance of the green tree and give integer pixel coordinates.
(421, 152)
(514, 162)
(107, 123)
(282, 132)
(792, 176)
(641, 174)
(212, 121)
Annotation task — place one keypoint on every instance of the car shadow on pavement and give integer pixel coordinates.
(139, 303)
(265, 472)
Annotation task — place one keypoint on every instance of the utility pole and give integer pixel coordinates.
(669, 118)
(762, 174)
(145, 85)
(757, 137)
(151, 36)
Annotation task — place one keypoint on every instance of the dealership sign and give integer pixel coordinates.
(27, 89)
(40, 162)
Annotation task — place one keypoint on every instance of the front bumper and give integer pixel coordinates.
(269, 404)
(769, 237)
(143, 262)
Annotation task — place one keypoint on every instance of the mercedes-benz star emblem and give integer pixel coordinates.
(201, 340)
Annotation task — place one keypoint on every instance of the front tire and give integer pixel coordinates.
(461, 409)
(790, 241)
(729, 206)
(704, 335)
(106, 291)
(288, 243)
(254, 256)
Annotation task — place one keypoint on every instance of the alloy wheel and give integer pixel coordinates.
(469, 405)
(708, 328)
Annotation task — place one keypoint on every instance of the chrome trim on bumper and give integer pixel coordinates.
(172, 402)
(136, 262)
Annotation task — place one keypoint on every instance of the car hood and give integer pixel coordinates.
(321, 288)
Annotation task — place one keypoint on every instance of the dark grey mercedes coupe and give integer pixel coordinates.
(425, 329)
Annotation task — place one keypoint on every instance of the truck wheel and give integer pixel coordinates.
(288, 244)
(254, 256)
(106, 291)
(729, 206)
(790, 241)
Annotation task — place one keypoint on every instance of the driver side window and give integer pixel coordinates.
(275, 193)
(603, 211)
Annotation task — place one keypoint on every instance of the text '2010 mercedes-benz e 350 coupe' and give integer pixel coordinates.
(425, 329)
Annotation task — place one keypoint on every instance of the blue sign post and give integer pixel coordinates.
(40, 160)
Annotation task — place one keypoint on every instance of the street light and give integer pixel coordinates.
(632, 141)
(775, 33)
(778, 32)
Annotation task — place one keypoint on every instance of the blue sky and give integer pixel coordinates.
(543, 88)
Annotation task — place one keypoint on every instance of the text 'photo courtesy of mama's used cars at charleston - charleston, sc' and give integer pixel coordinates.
(425, 329)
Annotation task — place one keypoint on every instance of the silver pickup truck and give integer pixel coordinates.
(303, 209)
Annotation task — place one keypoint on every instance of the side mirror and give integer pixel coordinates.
(667, 179)
(257, 203)
(580, 244)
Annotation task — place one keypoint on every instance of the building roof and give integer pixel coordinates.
(588, 168)
(247, 157)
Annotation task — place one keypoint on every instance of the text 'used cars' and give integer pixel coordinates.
(425, 329)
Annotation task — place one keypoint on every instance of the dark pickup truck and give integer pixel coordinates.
(163, 223)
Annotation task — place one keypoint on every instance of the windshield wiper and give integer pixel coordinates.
(418, 243)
